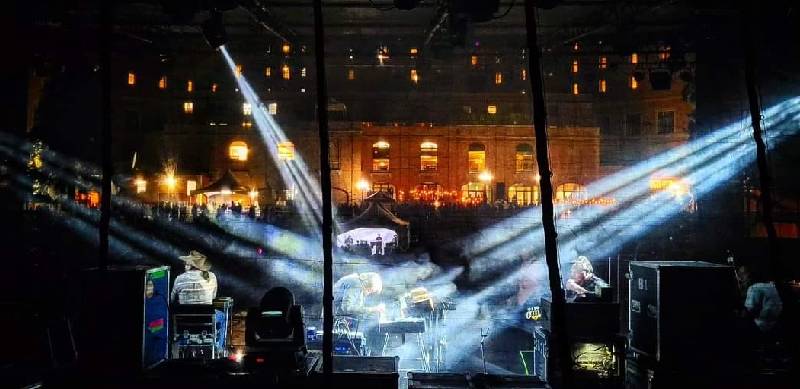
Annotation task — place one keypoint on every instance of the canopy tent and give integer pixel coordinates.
(368, 234)
(227, 184)
(380, 197)
(376, 216)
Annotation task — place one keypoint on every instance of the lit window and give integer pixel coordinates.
(272, 108)
(664, 54)
(162, 82)
(214, 87)
(634, 58)
(131, 78)
(188, 107)
(522, 194)
(429, 158)
(303, 72)
(238, 70)
(286, 48)
(191, 185)
(286, 72)
(413, 51)
(570, 191)
(247, 109)
(414, 76)
(575, 90)
(467, 109)
(383, 54)
(575, 66)
(286, 151)
(268, 71)
(476, 158)
(473, 60)
(351, 74)
(498, 78)
(524, 74)
(603, 62)
(141, 185)
(189, 86)
(380, 156)
(602, 86)
(524, 158)
(491, 110)
(247, 124)
(576, 47)
(634, 83)
(238, 151)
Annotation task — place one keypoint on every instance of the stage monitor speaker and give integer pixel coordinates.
(661, 80)
(123, 325)
(680, 312)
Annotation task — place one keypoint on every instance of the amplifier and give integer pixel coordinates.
(679, 311)
(586, 320)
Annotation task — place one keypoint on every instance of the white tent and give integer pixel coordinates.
(366, 234)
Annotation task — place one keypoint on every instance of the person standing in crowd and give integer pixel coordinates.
(198, 286)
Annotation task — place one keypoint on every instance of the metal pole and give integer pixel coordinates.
(106, 15)
(325, 178)
(558, 314)
(749, 24)
(765, 178)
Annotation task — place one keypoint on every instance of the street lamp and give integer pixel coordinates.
(171, 182)
(363, 185)
(486, 178)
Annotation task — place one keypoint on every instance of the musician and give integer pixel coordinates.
(762, 303)
(198, 286)
(350, 309)
(582, 281)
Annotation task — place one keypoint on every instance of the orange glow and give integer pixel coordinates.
(286, 72)
(603, 62)
(602, 86)
(634, 58)
(473, 60)
(162, 82)
(634, 83)
(575, 66)
(131, 78)
(498, 78)
(286, 48)
(575, 90)
(189, 86)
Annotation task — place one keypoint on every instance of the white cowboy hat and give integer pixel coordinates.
(196, 260)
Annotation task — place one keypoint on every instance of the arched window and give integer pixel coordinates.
(570, 191)
(428, 156)
(524, 158)
(380, 156)
(427, 191)
(474, 193)
(523, 194)
(477, 157)
(238, 151)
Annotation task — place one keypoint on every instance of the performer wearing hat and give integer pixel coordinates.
(582, 280)
(197, 285)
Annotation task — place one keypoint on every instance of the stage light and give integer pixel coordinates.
(214, 30)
